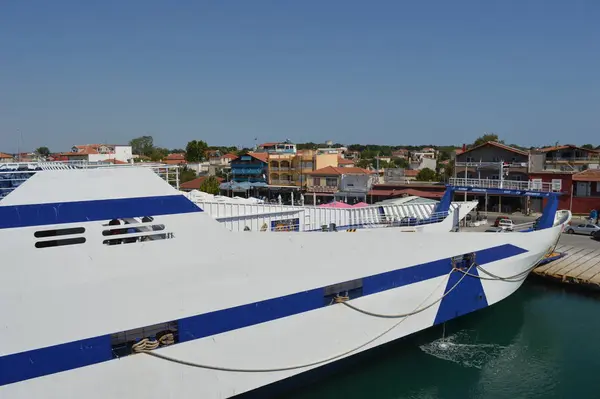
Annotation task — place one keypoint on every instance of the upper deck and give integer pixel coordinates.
(497, 186)
(13, 174)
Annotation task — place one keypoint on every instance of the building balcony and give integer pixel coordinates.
(529, 185)
(282, 182)
(490, 165)
(322, 189)
(591, 159)
(281, 169)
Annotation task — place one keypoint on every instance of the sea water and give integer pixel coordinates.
(542, 342)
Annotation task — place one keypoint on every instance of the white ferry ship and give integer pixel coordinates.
(114, 285)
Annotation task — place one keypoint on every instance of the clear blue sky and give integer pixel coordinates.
(384, 72)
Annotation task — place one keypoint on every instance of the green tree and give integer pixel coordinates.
(400, 162)
(382, 164)
(363, 163)
(143, 145)
(485, 138)
(43, 151)
(427, 174)
(449, 170)
(210, 185)
(186, 174)
(444, 155)
(158, 153)
(195, 151)
(588, 146)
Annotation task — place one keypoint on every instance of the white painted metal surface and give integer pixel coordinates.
(58, 295)
(240, 216)
(12, 175)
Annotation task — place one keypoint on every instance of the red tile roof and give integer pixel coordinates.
(261, 156)
(174, 159)
(588, 175)
(115, 161)
(499, 145)
(411, 173)
(195, 184)
(344, 161)
(5, 156)
(337, 171)
(566, 146)
(87, 149)
(74, 154)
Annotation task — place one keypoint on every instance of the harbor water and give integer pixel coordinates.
(542, 342)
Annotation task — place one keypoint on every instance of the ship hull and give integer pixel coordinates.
(259, 305)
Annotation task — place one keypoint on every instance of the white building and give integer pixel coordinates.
(100, 152)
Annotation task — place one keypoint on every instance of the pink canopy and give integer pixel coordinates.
(336, 204)
(360, 205)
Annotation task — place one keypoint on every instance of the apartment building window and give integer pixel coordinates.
(331, 182)
(583, 189)
(536, 184)
(316, 181)
(556, 184)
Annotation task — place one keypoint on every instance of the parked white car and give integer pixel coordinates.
(506, 224)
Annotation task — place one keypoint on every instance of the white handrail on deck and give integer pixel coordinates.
(528, 185)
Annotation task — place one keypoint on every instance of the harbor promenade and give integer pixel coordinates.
(580, 263)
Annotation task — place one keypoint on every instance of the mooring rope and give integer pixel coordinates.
(314, 363)
(343, 300)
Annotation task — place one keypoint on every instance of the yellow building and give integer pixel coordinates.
(290, 167)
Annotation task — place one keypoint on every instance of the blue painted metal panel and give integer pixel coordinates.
(12, 216)
(445, 202)
(54, 359)
(548, 215)
(467, 297)
(246, 171)
(500, 191)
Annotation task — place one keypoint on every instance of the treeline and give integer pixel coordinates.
(196, 150)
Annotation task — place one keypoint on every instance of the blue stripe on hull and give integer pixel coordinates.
(12, 216)
(90, 351)
(467, 297)
(54, 359)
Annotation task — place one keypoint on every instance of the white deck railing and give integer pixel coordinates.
(528, 185)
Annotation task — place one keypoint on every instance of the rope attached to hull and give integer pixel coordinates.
(344, 301)
(310, 364)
